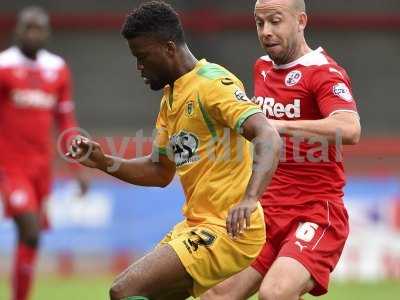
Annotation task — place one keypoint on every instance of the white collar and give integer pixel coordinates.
(315, 57)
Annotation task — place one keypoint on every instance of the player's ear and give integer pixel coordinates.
(302, 19)
(170, 47)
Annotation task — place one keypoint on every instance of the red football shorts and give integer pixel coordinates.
(313, 233)
(25, 192)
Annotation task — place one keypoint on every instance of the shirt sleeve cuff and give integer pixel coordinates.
(243, 117)
(161, 150)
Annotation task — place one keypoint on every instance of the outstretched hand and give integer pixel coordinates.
(87, 153)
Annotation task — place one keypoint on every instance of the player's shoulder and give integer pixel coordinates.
(321, 63)
(264, 62)
(212, 73)
(50, 60)
(315, 66)
(10, 57)
(215, 79)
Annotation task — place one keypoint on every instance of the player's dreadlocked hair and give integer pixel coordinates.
(155, 18)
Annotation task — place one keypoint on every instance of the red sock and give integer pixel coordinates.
(23, 272)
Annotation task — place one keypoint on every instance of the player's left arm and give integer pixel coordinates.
(229, 105)
(267, 144)
(341, 124)
(331, 87)
(67, 124)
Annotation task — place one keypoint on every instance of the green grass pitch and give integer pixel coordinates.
(96, 288)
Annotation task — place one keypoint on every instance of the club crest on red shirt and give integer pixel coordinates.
(293, 78)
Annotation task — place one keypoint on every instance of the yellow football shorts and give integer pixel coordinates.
(210, 256)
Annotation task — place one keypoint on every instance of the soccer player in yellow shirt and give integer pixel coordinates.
(203, 128)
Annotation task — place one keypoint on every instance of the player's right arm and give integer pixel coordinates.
(152, 170)
(331, 87)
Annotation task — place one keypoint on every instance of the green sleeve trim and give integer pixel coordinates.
(161, 150)
(212, 71)
(207, 118)
(243, 117)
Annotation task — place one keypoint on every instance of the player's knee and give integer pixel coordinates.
(118, 290)
(219, 292)
(30, 238)
(28, 230)
(275, 291)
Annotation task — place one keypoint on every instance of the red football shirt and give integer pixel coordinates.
(310, 88)
(34, 94)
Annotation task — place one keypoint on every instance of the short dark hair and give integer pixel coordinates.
(155, 18)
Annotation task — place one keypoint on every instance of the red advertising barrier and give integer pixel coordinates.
(211, 20)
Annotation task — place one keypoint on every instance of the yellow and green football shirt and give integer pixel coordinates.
(198, 127)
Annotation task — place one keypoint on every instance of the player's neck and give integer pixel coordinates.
(187, 62)
(299, 52)
(31, 54)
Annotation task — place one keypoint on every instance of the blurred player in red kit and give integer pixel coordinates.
(308, 98)
(35, 93)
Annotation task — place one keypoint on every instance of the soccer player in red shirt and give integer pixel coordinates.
(307, 96)
(35, 93)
